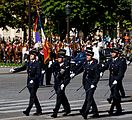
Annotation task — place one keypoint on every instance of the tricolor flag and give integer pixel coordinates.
(36, 35)
(42, 32)
(46, 47)
(43, 35)
(36, 29)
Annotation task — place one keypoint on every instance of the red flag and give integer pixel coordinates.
(46, 49)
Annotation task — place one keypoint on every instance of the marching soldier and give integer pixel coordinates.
(61, 72)
(42, 66)
(48, 72)
(91, 77)
(116, 68)
(124, 63)
(48, 69)
(33, 71)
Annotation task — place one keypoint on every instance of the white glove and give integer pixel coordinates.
(31, 81)
(72, 62)
(50, 63)
(92, 86)
(43, 71)
(62, 71)
(115, 82)
(72, 75)
(26, 60)
(62, 86)
(101, 74)
(103, 65)
(37, 58)
(12, 70)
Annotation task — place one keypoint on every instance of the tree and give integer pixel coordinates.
(14, 13)
(85, 14)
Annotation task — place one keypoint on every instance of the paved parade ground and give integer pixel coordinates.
(12, 103)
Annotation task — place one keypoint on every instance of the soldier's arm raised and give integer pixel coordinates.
(22, 68)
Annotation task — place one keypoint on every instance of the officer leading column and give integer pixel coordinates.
(33, 71)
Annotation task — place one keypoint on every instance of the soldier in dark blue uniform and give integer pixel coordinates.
(124, 63)
(116, 68)
(48, 70)
(42, 66)
(91, 77)
(33, 71)
(61, 72)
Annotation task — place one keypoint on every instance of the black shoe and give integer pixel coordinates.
(84, 116)
(95, 115)
(54, 115)
(109, 100)
(118, 113)
(25, 113)
(37, 114)
(63, 111)
(54, 110)
(81, 112)
(66, 113)
(110, 113)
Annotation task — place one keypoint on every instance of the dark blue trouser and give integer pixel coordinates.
(33, 100)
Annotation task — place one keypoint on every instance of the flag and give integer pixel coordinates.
(46, 49)
(35, 24)
(35, 34)
(37, 37)
(42, 32)
(43, 35)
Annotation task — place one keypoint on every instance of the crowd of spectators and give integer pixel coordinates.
(14, 51)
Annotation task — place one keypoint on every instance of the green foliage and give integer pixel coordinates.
(2, 64)
(14, 13)
(85, 14)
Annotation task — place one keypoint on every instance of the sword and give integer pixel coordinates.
(86, 91)
(79, 88)
(52, 95)
(106, 92)
(22, 89)
(109, 89)
(52, 90)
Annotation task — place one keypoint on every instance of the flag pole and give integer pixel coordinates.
(29, 24)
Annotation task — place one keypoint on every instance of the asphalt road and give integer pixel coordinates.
(12, 103)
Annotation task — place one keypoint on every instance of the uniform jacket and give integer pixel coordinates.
(59, 76)
(33, 71)
(117, 69)
(41, 60)
(91, 74)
